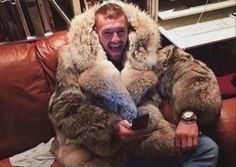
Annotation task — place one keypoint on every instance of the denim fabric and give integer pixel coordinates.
(205, 155)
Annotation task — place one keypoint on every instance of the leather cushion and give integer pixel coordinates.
(26, 71)
(227, 85)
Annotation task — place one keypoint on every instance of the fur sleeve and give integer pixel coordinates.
(72, 115)
(189, 84)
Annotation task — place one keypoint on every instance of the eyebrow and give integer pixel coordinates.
(115, 29)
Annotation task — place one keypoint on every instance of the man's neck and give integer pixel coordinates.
(118, 65)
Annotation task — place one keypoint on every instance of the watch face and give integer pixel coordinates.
(188, 114)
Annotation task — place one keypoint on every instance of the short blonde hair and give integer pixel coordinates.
(109, 10)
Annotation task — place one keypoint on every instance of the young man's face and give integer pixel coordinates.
(113, 36)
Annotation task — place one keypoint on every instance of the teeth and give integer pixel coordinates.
(114, 45)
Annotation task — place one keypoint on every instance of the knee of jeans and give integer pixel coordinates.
(210, 146)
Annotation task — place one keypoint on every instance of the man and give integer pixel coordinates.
(113, 36)
(113, 27)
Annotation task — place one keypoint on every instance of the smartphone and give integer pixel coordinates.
(140, 122)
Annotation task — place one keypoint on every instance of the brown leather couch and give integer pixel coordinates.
(27, 78)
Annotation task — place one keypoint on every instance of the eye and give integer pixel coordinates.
(107, 34)
(121, 32)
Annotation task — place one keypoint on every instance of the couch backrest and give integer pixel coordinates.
(27, 73)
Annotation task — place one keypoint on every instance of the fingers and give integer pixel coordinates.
(189, 144)
(126, 134)
(186, 137)
(132, 135)
(182, 144)
(195, 141)
(177, 143)
(125, 124)
(185, 143)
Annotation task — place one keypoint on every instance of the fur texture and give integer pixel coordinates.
(188, 83)
(91, 95)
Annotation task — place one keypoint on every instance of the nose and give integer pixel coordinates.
(115, 37)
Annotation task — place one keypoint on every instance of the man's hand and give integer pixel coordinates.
(126, 134)
(186, 136)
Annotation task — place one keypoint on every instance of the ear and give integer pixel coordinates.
(132, 44)
(133, 38)
(169, 50)
(152, 43)
(182, 53)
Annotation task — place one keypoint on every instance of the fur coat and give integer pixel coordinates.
(91, 95)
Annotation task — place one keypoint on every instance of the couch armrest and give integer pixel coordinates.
(5, 163)
(225, 132)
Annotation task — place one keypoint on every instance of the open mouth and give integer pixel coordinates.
(115, 47)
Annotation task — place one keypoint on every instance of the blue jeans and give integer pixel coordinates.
(205, 155)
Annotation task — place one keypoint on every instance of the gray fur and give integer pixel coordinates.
(80, 107)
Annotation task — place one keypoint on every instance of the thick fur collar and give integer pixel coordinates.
(144, 40)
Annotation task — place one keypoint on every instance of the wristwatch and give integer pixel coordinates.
(188, 116)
